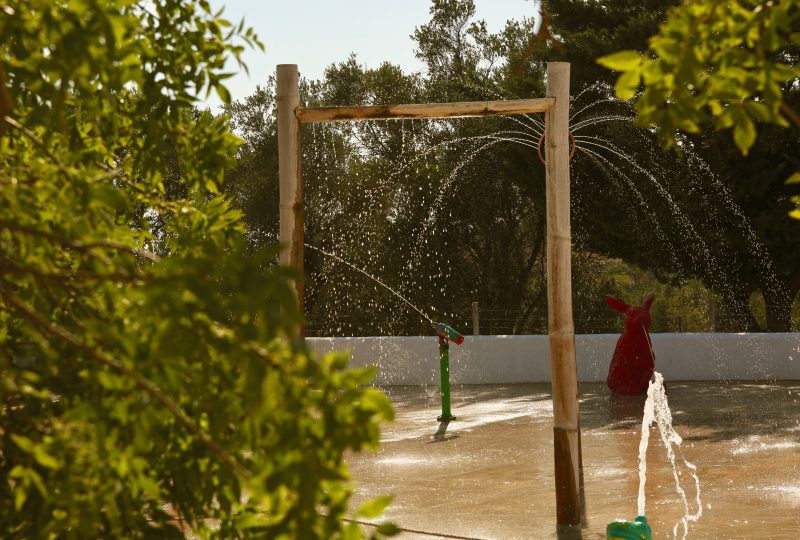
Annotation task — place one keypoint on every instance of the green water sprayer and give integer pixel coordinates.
(446, 334)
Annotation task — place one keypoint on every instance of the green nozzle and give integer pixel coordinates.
(449, 333)
(638, 529)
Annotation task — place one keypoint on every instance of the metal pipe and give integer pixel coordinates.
(444, 374)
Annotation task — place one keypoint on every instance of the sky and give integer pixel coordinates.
(316, 33)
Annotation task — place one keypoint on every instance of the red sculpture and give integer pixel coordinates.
(633, 361)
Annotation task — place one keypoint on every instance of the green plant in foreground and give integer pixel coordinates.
(730, 64)
(149, 380)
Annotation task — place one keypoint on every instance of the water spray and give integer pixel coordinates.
(373, 278)
(656, 410)
(446, 334)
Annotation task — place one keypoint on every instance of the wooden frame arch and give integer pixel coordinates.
(566, 430)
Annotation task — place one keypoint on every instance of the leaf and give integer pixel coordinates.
(621, 61)
(108, 196)
(794, 179)
(44, 459)
(628, 85)
(795, 214)
(223, 93)
(377, 401)
(20, 495)
(352, 531)
(148, 486)
(24, 443)
(374, 507)
(388, 529)
(212, 186)
(249, 519)
(744, 133)
(363, 375)
(759, 111)
(110, 381)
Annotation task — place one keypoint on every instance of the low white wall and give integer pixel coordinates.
(517, 359)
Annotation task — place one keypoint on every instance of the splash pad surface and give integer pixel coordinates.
(489, 474)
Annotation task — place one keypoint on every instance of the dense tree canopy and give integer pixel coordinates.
(150, 383)
(713, 215)
(447, 213)
(399, 199)
(588, 30)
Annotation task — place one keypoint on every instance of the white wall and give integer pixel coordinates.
(515, 359)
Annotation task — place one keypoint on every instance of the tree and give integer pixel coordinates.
(252, 182)
(729, 64)
(450, 212)
(399, 200)
(589, 30)
(149, 380)
(450, 44)
(706, 218)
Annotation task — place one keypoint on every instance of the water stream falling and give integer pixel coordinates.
(373, 278)
(423, 163)
(656, 409)
(692, 237)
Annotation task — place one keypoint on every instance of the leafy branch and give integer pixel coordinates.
(78, 245)
(142, 382)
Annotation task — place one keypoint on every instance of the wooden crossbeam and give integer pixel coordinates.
(459, 109)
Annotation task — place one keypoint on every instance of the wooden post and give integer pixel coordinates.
(290, 172)
(476, 319)
(566, 434)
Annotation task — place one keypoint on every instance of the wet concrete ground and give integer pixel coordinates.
(489, 473)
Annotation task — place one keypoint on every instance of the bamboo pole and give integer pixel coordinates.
(566, 434)
(425, 110)
(290, 172)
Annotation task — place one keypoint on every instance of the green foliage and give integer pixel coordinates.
(795, 179)
(588, 30)
(369, 191)
(149, 378)
(448, 213)
(719, 61)
(728, 64)
(704, 212)
(679, 306)
(449, 43)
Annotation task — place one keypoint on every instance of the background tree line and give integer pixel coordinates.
(452, 212)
